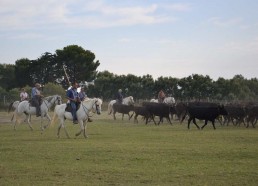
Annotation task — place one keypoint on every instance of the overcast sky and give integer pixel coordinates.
(165, 38)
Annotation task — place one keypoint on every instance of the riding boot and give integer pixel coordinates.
(38, 112)
(90, 120)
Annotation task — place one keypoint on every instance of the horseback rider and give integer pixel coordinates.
(36, 97)
(82, 94)
(161, 96)
(119, 96)
(24, 95)
(73, 99)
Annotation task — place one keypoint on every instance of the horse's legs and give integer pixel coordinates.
(114, 115)
(49, 120)
(66, 133)
(58, 130)
(14, 127)
(85, 127)
(81, 129)
(28, 121)
(41, 123)
(59, 127)
(12, 117)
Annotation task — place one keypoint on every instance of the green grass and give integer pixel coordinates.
(123, 153)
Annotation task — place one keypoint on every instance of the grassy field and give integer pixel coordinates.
(123, 153)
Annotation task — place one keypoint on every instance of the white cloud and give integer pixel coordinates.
(177, 7)
(27, 14)
(125, 40)
(218, 21)
(241, 47)
(27, 36)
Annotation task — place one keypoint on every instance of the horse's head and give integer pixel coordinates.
(97, 105)
(131, 101)
(58, 100)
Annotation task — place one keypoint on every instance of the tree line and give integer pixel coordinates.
(80, 65)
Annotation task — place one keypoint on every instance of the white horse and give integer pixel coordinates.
(126, 101)
(83, 112)
(25, 107)
(167, 100)
(154, 100)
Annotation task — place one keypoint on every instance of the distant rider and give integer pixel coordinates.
(161, 96)
(119, 96)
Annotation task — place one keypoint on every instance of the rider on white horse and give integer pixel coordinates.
(36, 98)
(73, 99)
(24, 95)
(119, 96)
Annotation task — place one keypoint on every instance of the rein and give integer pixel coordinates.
(44, 100)
(46, 104)
(84, 107)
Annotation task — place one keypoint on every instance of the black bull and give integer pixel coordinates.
(204, 111)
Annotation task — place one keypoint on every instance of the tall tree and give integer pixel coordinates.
(43, 69)
(22, 72)
(7, 77)
(104, 86)
(79, 63)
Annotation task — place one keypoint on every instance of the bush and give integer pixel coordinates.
(53, 89)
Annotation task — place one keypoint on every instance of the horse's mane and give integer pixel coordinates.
(129, 97)
(49, 98)
(90, 99)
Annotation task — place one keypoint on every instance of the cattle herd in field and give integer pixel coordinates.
(223, 114)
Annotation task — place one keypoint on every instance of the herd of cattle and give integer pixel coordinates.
(236, 114)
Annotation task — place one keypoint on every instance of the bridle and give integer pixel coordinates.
(85, 108)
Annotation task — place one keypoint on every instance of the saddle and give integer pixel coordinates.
(68, 107)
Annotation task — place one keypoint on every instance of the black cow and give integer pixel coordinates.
(158, 109)
(236, 113)
(181, 111)
(252, 115)
(204, 111)
(138, 110)
(124, 109)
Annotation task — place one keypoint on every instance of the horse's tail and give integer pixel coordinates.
(16, 116)
(10, 107)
